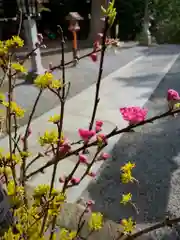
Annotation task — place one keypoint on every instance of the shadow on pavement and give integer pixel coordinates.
(155, 148)
(157, 49)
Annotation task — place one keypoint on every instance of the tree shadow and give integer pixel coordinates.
(161, 49)
(155, 148)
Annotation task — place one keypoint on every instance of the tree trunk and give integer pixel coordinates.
(96, 24)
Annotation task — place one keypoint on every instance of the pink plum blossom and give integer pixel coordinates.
(94, 57)
(98, 126)
(83, 159)
(99, 123)
(65, 147)
(172, 95)
(86, 135)
(75, 180)
(133, 115)
(98, 129)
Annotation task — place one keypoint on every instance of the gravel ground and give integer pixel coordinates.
(155, 148)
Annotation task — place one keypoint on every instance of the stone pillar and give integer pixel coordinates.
(31, 38)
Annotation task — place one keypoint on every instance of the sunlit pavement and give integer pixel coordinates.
(134, 76)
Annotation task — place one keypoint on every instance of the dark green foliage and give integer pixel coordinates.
(129, 15)
(166, 14)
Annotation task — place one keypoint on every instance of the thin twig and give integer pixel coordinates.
(70, 62)
(59, 125)
(97, 99)
(9, 119)
(25, 141)
(33, 161)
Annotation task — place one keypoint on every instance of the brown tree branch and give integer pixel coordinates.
(114, 132)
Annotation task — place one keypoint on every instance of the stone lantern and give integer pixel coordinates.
(74, 18)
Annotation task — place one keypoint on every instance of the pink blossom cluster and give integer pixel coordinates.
(133, 115)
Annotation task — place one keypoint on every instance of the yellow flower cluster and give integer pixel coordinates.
(6, 46)
(55, 204)
(96, 221)
(28, 223)
(126, 198)
(16, 193)
(47, 80)
(15, 109)
(2, 97)
(14, 42)
(128, 225)
(41, 190)
(6, 170)
(30, 218)
(13, 158)
(67, 235)
(18, 67)
(126, 175)
(54, 119)
(3, 51)
(49, 137)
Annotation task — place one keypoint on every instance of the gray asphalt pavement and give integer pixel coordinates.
(155, 148)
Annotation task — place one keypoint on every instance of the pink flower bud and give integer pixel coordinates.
(104, 156)
(99, 123)
(75, 180)
(62, 179)
(29, 132)
(92, 174)
(98, 129)
(172, 95)
(83, 159)
(94, 57)
(65, 148)
(90, 203)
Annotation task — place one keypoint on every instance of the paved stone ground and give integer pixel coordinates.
(81, 77)
(155, 148)
(135, 84)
